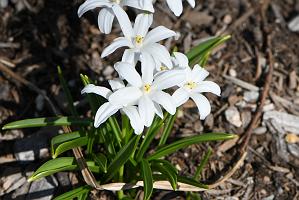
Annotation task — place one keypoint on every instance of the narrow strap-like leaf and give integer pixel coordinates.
(168, 173)
(65, 146)
(175, 146)
(59, 165)
(75, 193)
(147, 179)
(101, 161)
(202, 164)
(121, 158)
(50, 121)
(167, 129)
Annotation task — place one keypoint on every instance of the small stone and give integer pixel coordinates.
(267, 179)
(108, 71)
(43, 189)
(3, 3)
(251, 96)
(271, 197)
(260, 130)
(233, 116)
(268, 107)
(39, 102)
(227, 19)
(294, 24)
(232, 72)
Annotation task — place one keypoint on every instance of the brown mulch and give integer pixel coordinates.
(39, 35)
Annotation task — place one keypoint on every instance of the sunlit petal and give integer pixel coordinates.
(105, 20)
(180, 96)
(146, 110)
(104, 112)
(102, 91)
(129, 73)
(135, 120)
(208, 86)
(202, 104)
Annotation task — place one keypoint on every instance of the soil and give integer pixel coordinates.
(36, 36)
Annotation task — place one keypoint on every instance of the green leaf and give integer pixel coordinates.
(203, 163)
(121, 158)
(59, 165)
(59, 139)
(147, 179)
(175, 146)
(50, 121)
(65, 146)
(149, 136)
(67, 92)
(201, 52)
(169, 173)
(75, 193)
(167, 129)
(101, 160)
(193, 182)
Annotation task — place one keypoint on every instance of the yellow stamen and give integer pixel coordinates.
(191, 85)
(163, 68)
(147, 88)
(139, 39)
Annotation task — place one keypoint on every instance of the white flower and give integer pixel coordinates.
(193, 85)
(143, 45)
(146, 91)
(112, 8)
(177, 6)
(108, 109)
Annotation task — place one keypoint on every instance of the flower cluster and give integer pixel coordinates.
(143, 95)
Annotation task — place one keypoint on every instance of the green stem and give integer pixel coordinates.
(167, 129)
(202, 164)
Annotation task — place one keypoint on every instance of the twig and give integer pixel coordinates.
(86, 173)
(30, 85)
(247, 135)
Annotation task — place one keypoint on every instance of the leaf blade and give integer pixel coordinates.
(189, 141)
(147, 179)
(47, 121)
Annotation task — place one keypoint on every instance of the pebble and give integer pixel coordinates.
(251, 96)
(232, 115)
(232, 72)
(271, 197)
(227, 19)
(260, 130)
(43, 189)
(108, 71)
(3, 3)
(294, 24)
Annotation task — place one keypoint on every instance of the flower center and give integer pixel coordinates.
(139, 39)
(115, 1)
(163, 68)
(147, 88)
(190, 85)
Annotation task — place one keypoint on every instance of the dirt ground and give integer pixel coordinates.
(37, 35)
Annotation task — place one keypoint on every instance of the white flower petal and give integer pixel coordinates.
(202, 104)
(146, 110)
(180, 96)
(140, 4)
(102, 91)
(129, 73)
(159, 53)
(182, 60)
(135, 120)
(158, 110)
(165, 100)
(208, 86)
(105, 20)
(176, 6)
(116, 84)
(157, 34)
(117, 43)
(192, 3)
(142, 23)
(104, 112)
(123, 20)
(169, 79)
(130, 56)
(125, 96)
(198, 74)
(147, 68)
(91, 4)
